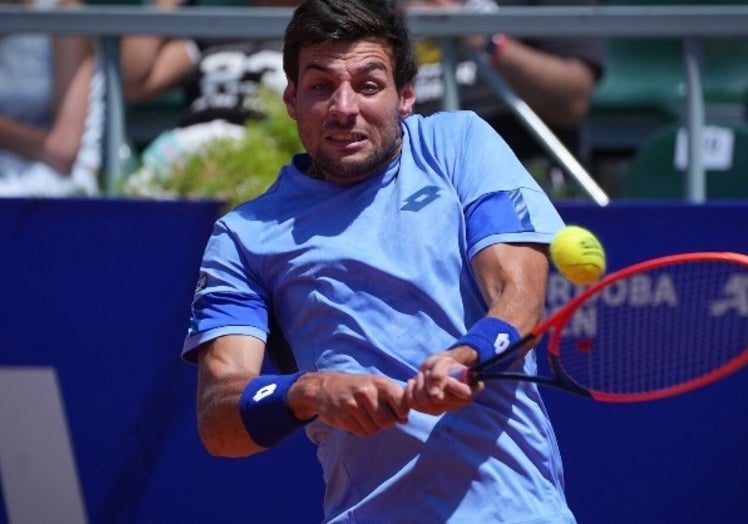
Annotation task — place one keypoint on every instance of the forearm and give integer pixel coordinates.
(23, 140)
(151, 66)
(514, 292)
(137, 56)
(64, 139)
(70, 54)
(225, 366)
(519, 305)
(219, 421)
(172, 66)
(558, 89)
(58, 145)
(36, 145)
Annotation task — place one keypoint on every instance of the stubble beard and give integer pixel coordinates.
(330, 168)
(333, 168)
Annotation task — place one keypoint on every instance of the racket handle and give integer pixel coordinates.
(465, 375)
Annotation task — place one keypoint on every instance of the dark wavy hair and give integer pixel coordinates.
(318, 21)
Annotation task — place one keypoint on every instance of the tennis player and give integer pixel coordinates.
(393, 253)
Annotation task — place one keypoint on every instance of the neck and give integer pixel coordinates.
(313, 172)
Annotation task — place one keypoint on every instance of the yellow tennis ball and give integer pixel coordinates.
(578, 255)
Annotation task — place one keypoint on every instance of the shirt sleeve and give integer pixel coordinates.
(502, 202)
(228, 300)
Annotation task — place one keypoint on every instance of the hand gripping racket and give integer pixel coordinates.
(652, 330)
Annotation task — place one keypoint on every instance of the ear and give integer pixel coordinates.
(407, 100)
(289, 98)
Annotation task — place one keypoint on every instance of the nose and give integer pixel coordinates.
(343, 103)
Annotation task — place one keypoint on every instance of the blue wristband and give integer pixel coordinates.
(489, 336)
(264, 411)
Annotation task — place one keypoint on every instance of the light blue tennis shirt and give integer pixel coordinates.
(374, 278)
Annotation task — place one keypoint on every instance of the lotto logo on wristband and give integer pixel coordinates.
(489, 337)
(264, 391)
(503, 341)
(265, 414)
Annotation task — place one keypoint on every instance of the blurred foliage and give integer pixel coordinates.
(226, 168)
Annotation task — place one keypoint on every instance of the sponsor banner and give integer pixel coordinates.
(97, 417)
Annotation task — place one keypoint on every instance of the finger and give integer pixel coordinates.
(460, 373)
(374, 413)
(410, 396)
(434, 384)
(414, 392)
(452, 396)
(344, 416)
(421, 398)
(428, 363)
(396, 411)
(391, 400)
(361, 422)
(459, 390)
(444, 367)
(398, 405)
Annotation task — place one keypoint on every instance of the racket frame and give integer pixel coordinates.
(554, 326)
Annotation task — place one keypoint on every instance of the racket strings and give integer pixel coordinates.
(668, 327)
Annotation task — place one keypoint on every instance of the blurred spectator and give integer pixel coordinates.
(220, 81)
(51, 113)
(152, 64)
(555, 76)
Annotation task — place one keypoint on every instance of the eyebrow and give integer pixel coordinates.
(367, 68)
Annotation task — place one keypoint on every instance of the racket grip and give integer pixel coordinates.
(465, 375)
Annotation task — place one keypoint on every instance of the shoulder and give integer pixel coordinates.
(450, 126)
(441, 119)
(269, 205)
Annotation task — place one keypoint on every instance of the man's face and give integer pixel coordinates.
(348, 109)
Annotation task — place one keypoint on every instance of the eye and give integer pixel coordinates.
(319, 87)
(369, 88)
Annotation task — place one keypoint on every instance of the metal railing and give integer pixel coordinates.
(688, 23)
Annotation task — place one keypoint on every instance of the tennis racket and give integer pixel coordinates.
(652, 330)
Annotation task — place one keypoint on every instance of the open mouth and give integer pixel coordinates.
(346, 138)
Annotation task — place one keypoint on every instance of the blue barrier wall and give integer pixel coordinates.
(99, 292)
(681, 460)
